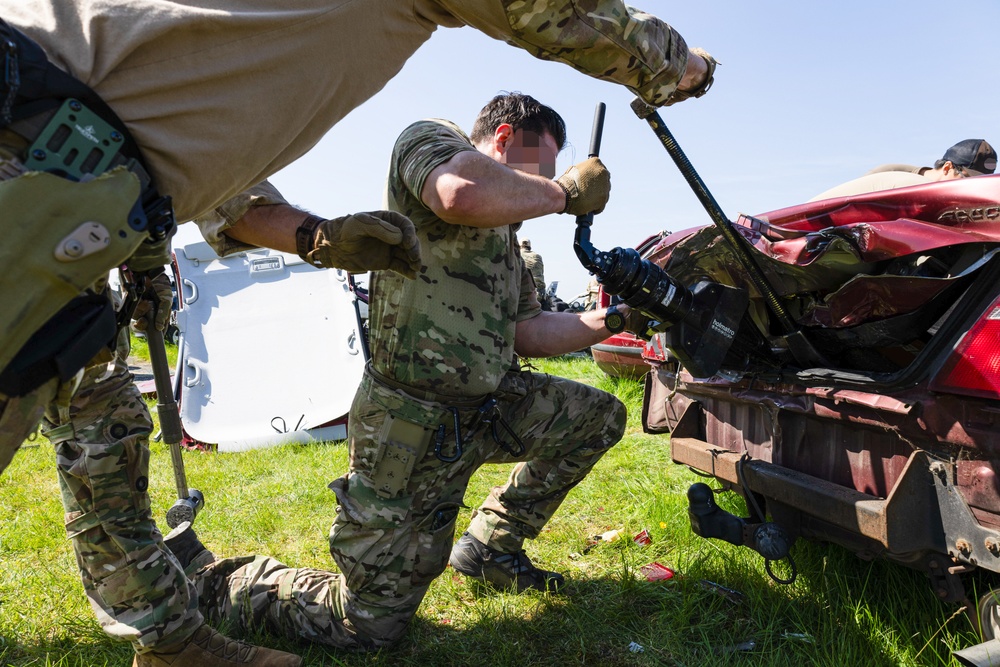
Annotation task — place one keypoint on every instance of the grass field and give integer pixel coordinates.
(840, 610)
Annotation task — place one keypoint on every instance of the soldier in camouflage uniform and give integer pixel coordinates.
(138, 589)
(450, 363)
(141, 60)
(536, 267)
(444, 393)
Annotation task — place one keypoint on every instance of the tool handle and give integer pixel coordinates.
(166, 406)
(711, 206)
(583, 222)
(598, 130)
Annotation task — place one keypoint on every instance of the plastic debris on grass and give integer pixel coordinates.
(733, 596)
(635, 647)
(608, 536)
(643, 538)
(657, 572)
(742, 647)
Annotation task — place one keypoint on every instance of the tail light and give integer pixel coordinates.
(973, 369)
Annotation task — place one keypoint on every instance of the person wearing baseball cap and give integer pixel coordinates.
(974, 156)
(970, 157)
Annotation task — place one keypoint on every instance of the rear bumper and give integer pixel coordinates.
(923, 520)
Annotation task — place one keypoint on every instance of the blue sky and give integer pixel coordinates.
(808, 95)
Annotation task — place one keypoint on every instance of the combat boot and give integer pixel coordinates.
(188, 549)
(208, 648)
(501, 570)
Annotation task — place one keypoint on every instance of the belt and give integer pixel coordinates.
(424, 395)
(487, 413)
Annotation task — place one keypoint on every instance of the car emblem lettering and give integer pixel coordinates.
(980, 214)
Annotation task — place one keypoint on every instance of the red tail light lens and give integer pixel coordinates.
(974, 367)
(603, 299)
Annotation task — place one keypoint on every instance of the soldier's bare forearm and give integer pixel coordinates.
(270, 226)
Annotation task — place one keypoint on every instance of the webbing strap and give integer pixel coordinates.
(61, 434)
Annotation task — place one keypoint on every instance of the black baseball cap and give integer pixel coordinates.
(973, 154)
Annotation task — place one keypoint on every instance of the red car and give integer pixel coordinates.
(874, 422)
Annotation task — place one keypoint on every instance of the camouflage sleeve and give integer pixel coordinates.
(213, 225)
(422, 147)
(602, 38)
(527, 304)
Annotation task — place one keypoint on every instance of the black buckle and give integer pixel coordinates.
(160, 221)
(11, 77)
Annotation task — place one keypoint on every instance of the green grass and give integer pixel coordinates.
(840, 610)
(140, 350)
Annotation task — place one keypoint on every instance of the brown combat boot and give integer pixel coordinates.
(208, 648)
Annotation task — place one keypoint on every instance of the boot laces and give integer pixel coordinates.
(224, 647)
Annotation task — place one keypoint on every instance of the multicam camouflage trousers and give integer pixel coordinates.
(398, 503)
(100, 433)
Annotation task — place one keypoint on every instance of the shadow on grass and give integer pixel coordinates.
(624, 622)
(837, 614)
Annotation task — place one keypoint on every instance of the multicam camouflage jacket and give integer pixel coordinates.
(451, 330)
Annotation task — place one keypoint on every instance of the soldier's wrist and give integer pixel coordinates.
(305, 236)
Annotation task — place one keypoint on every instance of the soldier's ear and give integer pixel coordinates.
(503, 136)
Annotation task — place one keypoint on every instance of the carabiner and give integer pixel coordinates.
(439, 439)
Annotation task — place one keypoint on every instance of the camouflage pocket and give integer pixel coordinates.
(381, 548)
(118, 590)
(369, 535)
(431, 545)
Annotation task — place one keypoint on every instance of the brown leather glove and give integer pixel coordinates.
(587, 185)
(159, 293)
(702, 88)
(367, 242)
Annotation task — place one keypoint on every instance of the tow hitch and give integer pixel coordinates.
(768, 539)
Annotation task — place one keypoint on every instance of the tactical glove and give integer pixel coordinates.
(587, 186)
(367, 242)
(158, 293)
(702, 88)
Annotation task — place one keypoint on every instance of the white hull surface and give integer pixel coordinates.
(270, 347)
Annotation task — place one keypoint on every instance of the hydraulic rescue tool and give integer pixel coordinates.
(699, 323)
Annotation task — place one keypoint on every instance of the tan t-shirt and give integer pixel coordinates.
(873, 182)
(220, 94)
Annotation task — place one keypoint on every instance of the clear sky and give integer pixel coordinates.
(808, 95)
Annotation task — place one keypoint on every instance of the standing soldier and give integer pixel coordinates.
(536, 267)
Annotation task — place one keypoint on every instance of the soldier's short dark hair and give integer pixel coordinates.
(522, 112)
